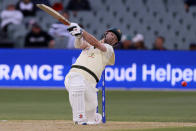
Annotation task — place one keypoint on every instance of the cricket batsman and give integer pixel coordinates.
(86, 72)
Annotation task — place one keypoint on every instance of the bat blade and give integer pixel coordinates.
(53, 13)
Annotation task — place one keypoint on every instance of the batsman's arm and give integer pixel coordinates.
(93, 41)
(83, 38)
(80, 43)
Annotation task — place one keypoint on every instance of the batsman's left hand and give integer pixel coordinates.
(75, 30)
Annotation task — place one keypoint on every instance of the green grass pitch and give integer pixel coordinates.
(144, 106)
(120, 105)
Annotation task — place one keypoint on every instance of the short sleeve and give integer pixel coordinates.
(109, 55)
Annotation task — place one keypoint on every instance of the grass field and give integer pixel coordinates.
(122, 106)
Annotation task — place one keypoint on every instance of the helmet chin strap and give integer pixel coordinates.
(104, 36)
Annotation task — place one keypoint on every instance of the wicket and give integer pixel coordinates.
(103, 98)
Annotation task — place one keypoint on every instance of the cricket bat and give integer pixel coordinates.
(53, 13)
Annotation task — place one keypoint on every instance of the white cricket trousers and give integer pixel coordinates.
(82, 97)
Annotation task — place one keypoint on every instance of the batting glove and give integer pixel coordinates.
(75, 30)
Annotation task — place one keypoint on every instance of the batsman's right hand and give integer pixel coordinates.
(75, 30)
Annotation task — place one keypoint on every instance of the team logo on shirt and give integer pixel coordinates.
(92, 55)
